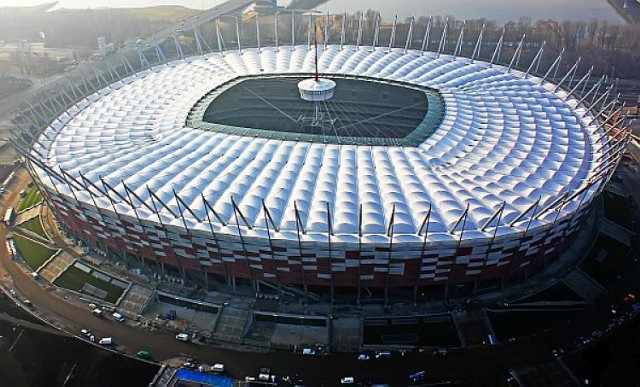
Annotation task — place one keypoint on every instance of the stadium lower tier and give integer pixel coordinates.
(318, 264)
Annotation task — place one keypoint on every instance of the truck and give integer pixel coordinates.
(8, 216)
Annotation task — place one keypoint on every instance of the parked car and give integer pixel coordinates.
(106, 341)
(144, 354)
(347, 380)
(363, 356)
(417, 376)
(308, 351)
(182, 337)
(190, 363)
(118, 317)
(440, 352)
(218, 367)
(264, 374)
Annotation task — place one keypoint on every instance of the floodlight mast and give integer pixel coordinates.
(316, 89)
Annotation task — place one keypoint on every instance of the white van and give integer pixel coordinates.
(106, 341)
(97, 312)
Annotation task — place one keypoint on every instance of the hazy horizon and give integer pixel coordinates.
(498, 10)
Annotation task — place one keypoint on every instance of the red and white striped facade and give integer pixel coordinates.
(507, 176)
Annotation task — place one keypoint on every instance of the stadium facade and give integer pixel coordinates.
(499, 169)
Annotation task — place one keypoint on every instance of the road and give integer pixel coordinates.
(486, 364)
(480, 365)
(226, 8)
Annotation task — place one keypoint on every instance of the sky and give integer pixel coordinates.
(499, 10)
(196, 4)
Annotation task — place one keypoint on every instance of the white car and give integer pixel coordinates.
(218, 367)
(363, 356)
(308, 351)
(347, 380)
(106, 341)
(182, 337)
(118, 317)
(264, 374)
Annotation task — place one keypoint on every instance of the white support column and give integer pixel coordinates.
(293, 29)
(458, 48)
(392, 38)
(443, 38)
(516, 54)
(407, 44)
(359, 38)
(275, 26)
(376, 33)
(496, 53)
(425, 38)
(343, 30)
(238, 34)
(478, 47)
(258, 32)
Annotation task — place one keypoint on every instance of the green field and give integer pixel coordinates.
(34, 225)
(33, 253)
(75, 279)
(32, 197)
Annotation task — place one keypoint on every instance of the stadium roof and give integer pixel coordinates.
(504, 139)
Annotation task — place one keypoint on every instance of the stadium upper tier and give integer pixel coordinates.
(504, 139)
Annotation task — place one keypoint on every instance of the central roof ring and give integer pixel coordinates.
(363, 110)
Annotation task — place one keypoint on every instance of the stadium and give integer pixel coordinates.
(425, 170)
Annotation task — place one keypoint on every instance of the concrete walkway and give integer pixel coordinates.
(473, 326)
(28, 214)
(616, 232)
(583, 285)
(53, 268)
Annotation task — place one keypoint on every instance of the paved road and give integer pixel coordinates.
(226, 8)
(481, 365)
(484, 364)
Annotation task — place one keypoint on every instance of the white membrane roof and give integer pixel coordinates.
(504, 138)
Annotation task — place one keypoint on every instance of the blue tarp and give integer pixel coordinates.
(202, 378)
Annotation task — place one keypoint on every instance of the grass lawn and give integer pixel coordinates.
(75, 279)
(614, 256)
(616, 209)
(520, 324)
(34, 225)
(435, 331)
(33, 253)
(32, 197)
(557, 292)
